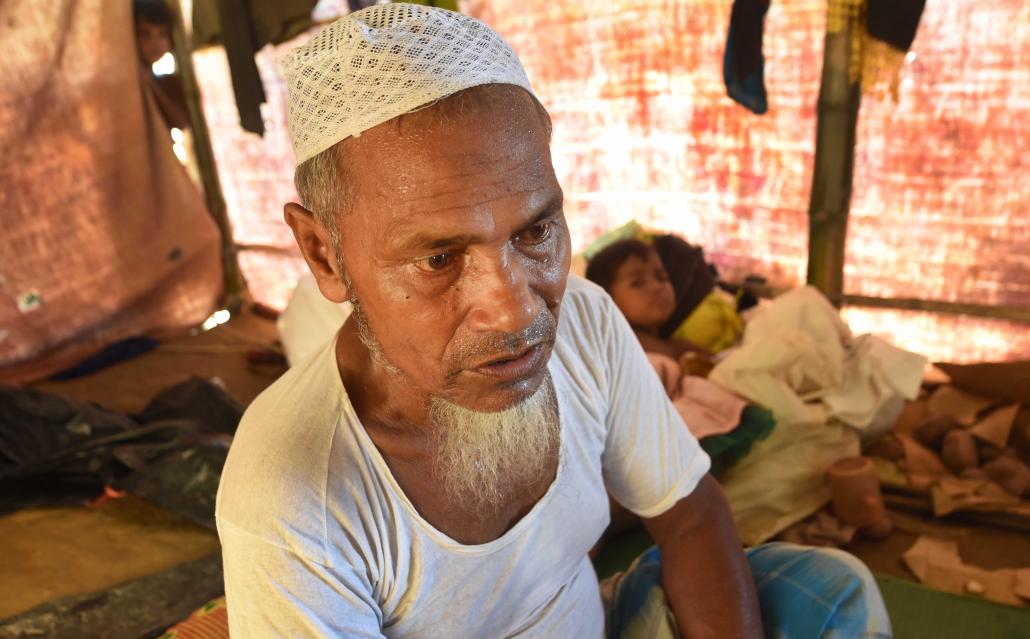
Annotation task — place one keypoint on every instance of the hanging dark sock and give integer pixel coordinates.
(743, 66)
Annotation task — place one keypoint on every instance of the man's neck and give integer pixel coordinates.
(383, 399)
(396, 419)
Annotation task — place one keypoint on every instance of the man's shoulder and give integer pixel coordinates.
(586, 313)
(580, 287)
(584, 301)
(273, 483)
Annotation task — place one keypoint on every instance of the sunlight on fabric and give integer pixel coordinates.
(165, 65)
(217, 319)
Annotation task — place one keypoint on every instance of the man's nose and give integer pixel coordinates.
(501, 297)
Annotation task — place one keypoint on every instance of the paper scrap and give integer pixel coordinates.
(922, 464)
(937, 564)
(949, 494)
(963, 406)
(996, 427)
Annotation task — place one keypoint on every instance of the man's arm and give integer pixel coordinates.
(705, 575)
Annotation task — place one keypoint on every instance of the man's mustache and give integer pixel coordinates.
(482, 346)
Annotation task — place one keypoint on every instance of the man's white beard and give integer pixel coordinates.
(483, 459)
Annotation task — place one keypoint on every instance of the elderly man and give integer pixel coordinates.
(442, 467)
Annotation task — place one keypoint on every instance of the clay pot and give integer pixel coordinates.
(932, 431)
(958, 451)
(974, 473)
(1011, 474)
(856, 496)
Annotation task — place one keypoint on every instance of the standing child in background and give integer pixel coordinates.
(153, 22)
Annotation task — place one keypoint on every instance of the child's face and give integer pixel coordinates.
(642, 291)
(152, 41)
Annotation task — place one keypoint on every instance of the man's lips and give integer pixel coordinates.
(513, 367)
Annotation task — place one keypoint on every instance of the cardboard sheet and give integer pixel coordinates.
(964, 407)
(1009, 381)
(937, 564)
(996, 427)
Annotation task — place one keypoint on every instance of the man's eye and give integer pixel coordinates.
(436, 262)
(537, 233)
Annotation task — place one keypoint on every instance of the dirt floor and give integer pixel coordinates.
(988, 547)
(66, 551)
(220, 352)
(57, 552)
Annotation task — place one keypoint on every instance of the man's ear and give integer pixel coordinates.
(317, 249)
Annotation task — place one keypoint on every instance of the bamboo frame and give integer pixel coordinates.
(1011, 313)
(233, 279)
(836, 121)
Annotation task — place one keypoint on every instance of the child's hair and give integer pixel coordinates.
(602, 269)
(153, 11)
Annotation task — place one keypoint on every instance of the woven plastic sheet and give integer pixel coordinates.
(941, 208)
(104, 236)
(643, 129)
(256, 172)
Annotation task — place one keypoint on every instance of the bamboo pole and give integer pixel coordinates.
(233, 279)
(836, 120)
(1010, 313)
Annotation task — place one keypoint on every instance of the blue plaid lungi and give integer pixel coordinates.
(803, 593)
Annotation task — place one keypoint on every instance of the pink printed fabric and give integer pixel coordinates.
(706, 408)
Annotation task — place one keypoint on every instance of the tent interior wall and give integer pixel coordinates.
(106, 237)
(938, 210)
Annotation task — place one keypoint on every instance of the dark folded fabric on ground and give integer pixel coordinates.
(55, 451)
(118, 352)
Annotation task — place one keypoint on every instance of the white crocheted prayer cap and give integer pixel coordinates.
(381, 62)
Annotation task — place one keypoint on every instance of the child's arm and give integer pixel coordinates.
(674, 348)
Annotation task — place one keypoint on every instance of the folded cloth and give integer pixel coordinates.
(799, 359)
(756, 423)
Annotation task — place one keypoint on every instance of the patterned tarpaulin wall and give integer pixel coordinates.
(644, 130)
(104, 236)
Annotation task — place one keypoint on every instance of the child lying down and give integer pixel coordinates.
(635, 277)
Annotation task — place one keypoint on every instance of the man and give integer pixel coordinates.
(440, 468)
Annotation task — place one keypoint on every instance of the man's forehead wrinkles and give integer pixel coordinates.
(415, 221)
(453, 191)
(499, 169)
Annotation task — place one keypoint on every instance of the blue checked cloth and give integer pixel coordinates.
(804, 593)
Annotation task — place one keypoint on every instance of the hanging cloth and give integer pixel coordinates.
(244, 27)
(882, 31)
(743, 66)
